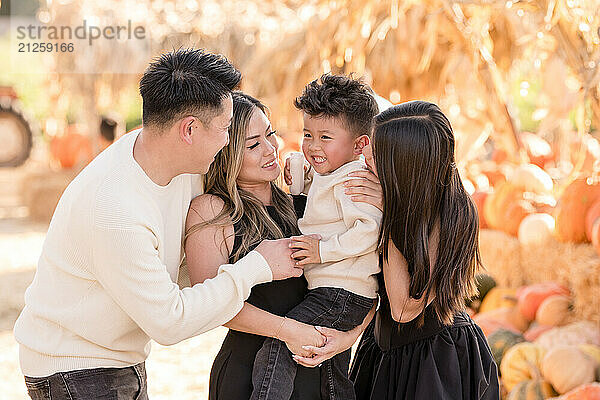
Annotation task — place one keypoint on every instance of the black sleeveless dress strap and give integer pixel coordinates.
(231, 373)
(397, 361)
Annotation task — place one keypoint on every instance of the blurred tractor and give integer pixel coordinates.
(16, 136)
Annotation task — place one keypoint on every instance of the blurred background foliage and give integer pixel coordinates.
(496, 67)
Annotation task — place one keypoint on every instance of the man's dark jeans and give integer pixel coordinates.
(274, 369)
(98, 383)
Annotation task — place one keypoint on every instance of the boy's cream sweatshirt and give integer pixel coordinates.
(349, 232)
(105, 281)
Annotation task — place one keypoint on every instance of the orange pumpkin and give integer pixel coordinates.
(591, 391)
(596, 235)
(506, 318)
(479, 198)
(505, 208)
(532, 296)
(71, 149)
(489, 325)
(515, 214)
(499, 155)
(571, 210)
(590, 217)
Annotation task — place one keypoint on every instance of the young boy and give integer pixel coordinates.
(340, 267)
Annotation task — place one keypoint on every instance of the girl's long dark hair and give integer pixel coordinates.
(414, 157)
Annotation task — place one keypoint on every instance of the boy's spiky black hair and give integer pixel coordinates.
(340, 96)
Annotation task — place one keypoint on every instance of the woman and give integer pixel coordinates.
(422, 345)
(241, 206)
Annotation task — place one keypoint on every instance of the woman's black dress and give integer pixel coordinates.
(402, 362)
(231, 373)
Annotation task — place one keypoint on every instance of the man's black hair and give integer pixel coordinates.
(340, 96)
(186, 82)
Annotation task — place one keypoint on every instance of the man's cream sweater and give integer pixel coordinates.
(349, 232)
(105, 282)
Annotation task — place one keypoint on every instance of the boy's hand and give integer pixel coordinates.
(307, 249)
(287, 175)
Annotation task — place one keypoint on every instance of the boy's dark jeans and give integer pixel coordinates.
(98, 383)
(274, 369)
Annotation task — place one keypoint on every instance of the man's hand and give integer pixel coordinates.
(278, 255)
(306, 249)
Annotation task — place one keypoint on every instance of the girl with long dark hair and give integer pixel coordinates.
(422, 345)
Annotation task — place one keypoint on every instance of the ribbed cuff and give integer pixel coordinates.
(255, 268)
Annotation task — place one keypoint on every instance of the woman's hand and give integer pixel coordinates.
(337, 342)
(365, 189)
(297, 335)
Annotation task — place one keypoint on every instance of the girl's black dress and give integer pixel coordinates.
(402, 362)
(231, 373)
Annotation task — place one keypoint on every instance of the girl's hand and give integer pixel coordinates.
(337, 342)
(365, 189)
(297, 335)
(307, 249)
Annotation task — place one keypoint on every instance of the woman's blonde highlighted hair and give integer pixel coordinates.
(242, 207)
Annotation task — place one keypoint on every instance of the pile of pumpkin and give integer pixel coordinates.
(523, 200)
(541, 351)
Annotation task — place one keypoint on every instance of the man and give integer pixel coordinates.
(105, 283)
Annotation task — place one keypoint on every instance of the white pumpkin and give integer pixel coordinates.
(566, 367)
(532, 178)
(536, 229)
(469, 187)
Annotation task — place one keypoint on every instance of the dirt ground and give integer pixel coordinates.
(174, 372)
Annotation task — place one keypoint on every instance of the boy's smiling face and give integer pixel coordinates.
(327, 144)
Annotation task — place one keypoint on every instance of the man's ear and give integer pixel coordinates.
(360, 142)
(186, 125)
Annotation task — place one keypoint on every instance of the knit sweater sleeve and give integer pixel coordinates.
(362, 222)
(127, 264)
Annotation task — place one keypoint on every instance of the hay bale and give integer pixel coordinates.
(554, 261)
(500, 257)
(585, 283)
(576, 266)
(42, 191)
